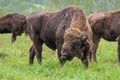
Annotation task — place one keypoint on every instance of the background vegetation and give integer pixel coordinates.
(14, 57)
(28, 6)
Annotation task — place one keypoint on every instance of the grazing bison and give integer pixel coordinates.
(105, 25)
(12, 23)
(67, 31)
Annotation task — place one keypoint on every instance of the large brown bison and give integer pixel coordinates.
(68, 31)
(12, 23)
(105, 25)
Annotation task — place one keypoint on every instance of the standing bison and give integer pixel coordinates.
(12, 23)
(105, 25)
(67, 31)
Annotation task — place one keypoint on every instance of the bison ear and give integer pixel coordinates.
(84, 37)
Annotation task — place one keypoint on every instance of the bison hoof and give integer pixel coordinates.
(85, 62)
(62, 62)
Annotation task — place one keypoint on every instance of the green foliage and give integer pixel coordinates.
(14, 66)
(28, 6)
(2, 12)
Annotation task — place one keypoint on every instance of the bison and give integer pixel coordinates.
(67, 30)
(105, 25)
(12, 23)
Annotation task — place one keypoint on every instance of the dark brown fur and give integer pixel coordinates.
(12, 23)
(105, 25)
(68, 27)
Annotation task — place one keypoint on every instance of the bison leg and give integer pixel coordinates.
(31, 55)
(94, 49)
(119, 52)
(37, 43)
(90, 56)
(13, 37)
(85, 57)
(62, 60)
(118, 39)
(60, 57)
(39, 53)
(96, 40)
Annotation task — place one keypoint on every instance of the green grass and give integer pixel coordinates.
(14, 64)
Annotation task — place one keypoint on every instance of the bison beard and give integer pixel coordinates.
(105, 25)
(67, 31)
(12, 23)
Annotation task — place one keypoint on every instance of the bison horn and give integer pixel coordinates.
(85, 37)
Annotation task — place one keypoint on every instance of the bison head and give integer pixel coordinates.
(74, 42)
(18, 23)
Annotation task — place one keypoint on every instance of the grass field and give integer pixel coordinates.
(14, 63)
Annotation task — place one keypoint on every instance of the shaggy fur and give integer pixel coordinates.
(68, 27)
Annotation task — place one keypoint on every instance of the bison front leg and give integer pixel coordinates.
(31, 55)
(37, 43)
(94, 50)
(62, 60)
(39, 53)
(85, 57)
(13, 37)
(118, 39)
(96, 40)
(119, 52)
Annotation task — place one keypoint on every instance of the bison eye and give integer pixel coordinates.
(76, 45)
(84, 44)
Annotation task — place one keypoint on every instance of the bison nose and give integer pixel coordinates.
(63, 53)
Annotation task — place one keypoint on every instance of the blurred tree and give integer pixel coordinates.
(2, 12)
(104, 5)
(28, 6)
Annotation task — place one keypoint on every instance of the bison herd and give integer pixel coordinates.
(69, 31)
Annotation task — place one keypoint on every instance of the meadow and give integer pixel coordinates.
(14, 63)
